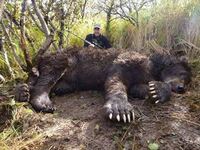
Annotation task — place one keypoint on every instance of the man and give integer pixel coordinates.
(97, 39)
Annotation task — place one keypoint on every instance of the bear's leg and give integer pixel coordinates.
(117, 105)
(140, 91)
(39, 99)
(63, 87)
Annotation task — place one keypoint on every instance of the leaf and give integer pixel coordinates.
(29, 111)
(12, 102)
(153, 146)
(97, 128)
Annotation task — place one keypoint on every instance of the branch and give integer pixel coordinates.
(11, 45)
(62, 26)
(12, 19)
(41, 19)
(45, 28)
(2, 79)
(188, 44)
(84, 8)
(34, 20)
(1, 7)
(43, 49)
(6, 59)
(23, 41)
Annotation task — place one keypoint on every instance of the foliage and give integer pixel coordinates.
(165, 22)
(153, 146)
(18, 133)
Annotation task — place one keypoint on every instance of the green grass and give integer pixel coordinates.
(19, 133)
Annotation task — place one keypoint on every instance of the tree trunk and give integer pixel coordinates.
(23, 40)
(18, 60)
(138, 34)
(83, 9)
(41, 19)
(108, 19)
(13, 20)
(2, 48)
(5, 55)
(62, 27)
(108, 24)
(1, 7)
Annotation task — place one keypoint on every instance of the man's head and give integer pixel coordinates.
(97, 29)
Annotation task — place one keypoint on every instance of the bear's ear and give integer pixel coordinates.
(184, 59)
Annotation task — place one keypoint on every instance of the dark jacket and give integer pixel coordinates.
(101, 40)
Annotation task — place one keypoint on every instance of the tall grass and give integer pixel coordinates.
(165, 23)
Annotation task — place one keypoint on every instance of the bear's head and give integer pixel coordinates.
(172, 70)
(177, 75)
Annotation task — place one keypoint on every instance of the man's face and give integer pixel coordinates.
(97, 31)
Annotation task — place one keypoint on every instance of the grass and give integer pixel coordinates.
(19, 131)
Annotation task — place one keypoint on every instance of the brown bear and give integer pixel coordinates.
(116, 72)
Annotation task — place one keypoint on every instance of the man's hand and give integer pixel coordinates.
(91, 45)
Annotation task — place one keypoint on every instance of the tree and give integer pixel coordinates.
(129, 10)
(1, 7)
(107, 6)
(83, 8)
(2, 45)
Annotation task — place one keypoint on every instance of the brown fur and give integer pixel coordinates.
(117, 72)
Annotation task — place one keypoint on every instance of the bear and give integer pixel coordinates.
(118, 73)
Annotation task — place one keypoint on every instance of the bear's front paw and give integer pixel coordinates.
(159, 92)
(120, 110)
(43, 104)
(22, 93)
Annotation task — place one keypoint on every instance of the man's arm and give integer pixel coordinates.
(106, 43)
(88, 38)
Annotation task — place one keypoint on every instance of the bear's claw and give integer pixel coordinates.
(120, 111)
(159, 92)
(42, 104)
(125, 118)
(129, 118)
(118, 118)
(110, 116)
(44, 108)
(153, 92)
(22, 93)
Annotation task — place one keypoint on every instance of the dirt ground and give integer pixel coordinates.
(79, 123)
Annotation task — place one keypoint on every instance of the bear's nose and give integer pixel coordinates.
(180, 88)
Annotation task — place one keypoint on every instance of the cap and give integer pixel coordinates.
(97, 26)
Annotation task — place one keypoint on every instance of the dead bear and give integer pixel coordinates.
(117, 72)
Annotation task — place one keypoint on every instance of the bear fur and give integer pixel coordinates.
(116, 72)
